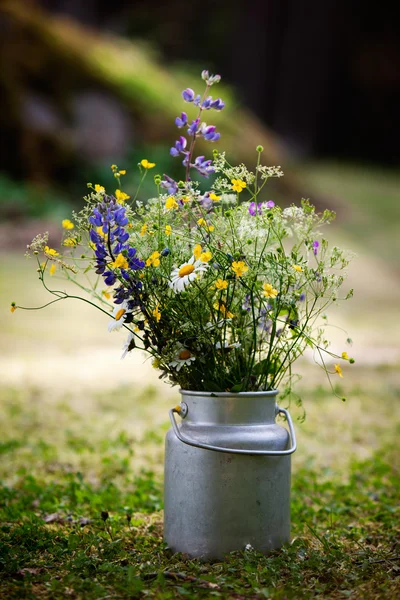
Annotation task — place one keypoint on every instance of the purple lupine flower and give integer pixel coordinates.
(206, 201)
(255, 208)
(179, 147)
(197, 100)
(206, 104)
(181, 121)
(192, 130)
(204, 167)
(217, 104)
(210, 134)
(270, 204)
(169, 184)
(205, 75)
(188, 95)
(315, 246)
(247, 303)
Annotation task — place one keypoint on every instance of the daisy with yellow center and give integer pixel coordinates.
(153, 260)
(171, 203)
(221, 284)
(50, 251)
(120, 313)
(121, 196)
(203, 223)
(146, 164)
(338, 370)
(182, 357)
(239, 268)
(298, 268)
(120, 262)
(168, 230)
(214, 197)
(99, 189)
(67, 224)
(269, 291)
(182, 276)
(238, 185)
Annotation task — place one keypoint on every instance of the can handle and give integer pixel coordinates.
(182, 410)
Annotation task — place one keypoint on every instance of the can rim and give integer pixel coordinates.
(268, 393)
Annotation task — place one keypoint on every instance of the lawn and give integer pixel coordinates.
(81, 444)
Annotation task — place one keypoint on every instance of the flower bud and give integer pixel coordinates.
(260, 149)
(157, 179)
(205, 75)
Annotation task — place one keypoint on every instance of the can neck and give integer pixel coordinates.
(247, 408)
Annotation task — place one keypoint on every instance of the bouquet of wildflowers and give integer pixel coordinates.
(220, 286)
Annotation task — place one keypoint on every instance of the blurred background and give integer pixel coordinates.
(87, 84)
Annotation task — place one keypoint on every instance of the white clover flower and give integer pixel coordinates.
(186, 273)
(127, 347)
(182, 357)
(120, 313)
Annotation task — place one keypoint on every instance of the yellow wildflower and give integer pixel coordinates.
(146, 164)
(67, 224)
(197, 250)
(239, 268)
(214, 197)
(13, 307)
(143, 231)
(50, 251)
(205, 256)
(168, 230)
(345, 356)
(171, 203)
(99, 189)
(153, 260)
(269, 291)
(121, 196)
(122, 172)
(221, 307)
(106, 294)
(338, 370)
(156, 314)
(52, 269)
(297, 268)
(238, 185)
(69, 242)
(221, 284)
(114, 168)
(203, 223)
(185, 199)
(120, 262)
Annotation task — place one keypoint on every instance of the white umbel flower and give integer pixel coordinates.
(186, 273)
(120, 313)
(183, 357)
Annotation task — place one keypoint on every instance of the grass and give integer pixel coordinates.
(81, 503)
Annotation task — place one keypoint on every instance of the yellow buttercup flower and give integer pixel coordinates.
(197, 250)
(106, 294)
(269, 291)
(221, 307)
(238, 185)
(69, 242)
(67, 224)
(345, 356)
(205, 256)
(120, 262)
(122, 172)
(239, 268)
(121, 196)
(143, 231)
(221, 284)
(51, 251)
(185, 199)
(52, 269)
(99, 189)
(297, 268)
(156, 314)
(100, 231)
(146, 164)
(338, 370)
(214, 197)
(153, 260)
(171, 203)
(168, 230)
(203, 223)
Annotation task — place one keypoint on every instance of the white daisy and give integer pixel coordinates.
(127, 347)
(186, 273)
(120, 313)
(183, 357)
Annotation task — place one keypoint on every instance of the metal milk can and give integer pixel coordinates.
(227, 474)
